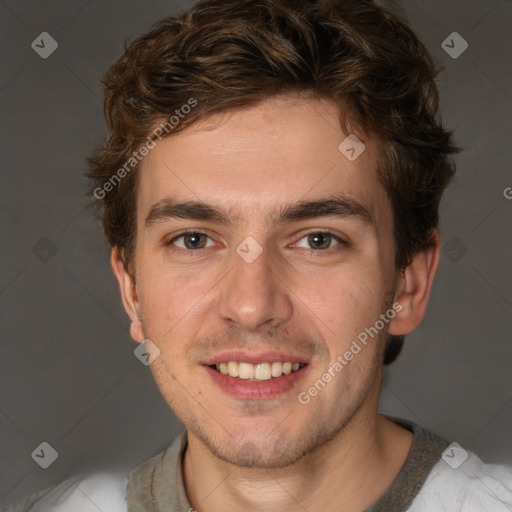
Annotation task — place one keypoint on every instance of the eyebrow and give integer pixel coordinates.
(337, 206)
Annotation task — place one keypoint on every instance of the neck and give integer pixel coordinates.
(362, 459)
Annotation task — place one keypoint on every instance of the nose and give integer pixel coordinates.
(255, 294)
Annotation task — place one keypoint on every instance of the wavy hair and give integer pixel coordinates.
(228, 54)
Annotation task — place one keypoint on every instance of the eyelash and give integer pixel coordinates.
(189, 252)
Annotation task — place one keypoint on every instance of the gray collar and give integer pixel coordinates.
(425, 452)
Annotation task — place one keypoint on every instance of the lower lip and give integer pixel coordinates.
(256, 390)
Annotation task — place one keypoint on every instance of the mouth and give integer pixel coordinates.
(252, 376)
(257, 372)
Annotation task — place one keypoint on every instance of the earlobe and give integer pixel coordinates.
(414, 288)
(128, 294)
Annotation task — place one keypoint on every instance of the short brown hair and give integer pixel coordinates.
(227, 54)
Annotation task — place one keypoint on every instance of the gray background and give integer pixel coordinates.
(69, 376)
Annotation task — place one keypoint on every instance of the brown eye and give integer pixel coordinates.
(194, 241)
(191, 241)
(320, 240)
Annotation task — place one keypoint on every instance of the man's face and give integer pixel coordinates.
(299, 290)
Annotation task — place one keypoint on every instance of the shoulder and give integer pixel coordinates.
(472, 486)
(84, 493)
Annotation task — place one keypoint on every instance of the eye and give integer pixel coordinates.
(319, 240)
(191, 240)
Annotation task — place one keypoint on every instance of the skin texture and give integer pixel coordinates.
(335, 452)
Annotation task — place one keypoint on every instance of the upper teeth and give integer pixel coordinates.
(260, 371)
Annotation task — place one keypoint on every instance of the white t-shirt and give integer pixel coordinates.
(436, 477)
(472, 487)
(97, 492)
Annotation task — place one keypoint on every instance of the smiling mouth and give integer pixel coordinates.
(257, 372)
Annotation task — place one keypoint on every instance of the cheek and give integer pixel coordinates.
(341, 309)
(344, 296)
(167, 298)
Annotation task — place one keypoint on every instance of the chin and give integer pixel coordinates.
(263, 448)
(259, 453)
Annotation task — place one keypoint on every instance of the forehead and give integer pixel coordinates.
(252, 160)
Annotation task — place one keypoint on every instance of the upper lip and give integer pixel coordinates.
(244, 356)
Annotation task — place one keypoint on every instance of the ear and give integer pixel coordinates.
(128, 295)
(413, 288)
